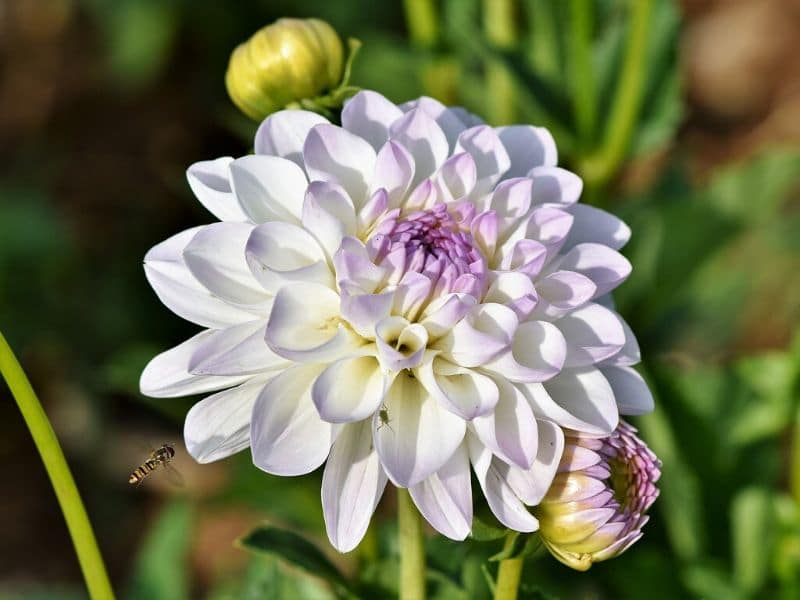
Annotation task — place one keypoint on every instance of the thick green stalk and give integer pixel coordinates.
(423, 26)
(508, 575)
(412, 548)
(794, 465)
(584, 94)
(55, 464)
(627, 101)
(499, 25)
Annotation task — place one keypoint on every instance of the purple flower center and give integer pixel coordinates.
(436, 243)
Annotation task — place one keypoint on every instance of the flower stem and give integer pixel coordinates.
(55, 464)
(412, 549)
(508, 575)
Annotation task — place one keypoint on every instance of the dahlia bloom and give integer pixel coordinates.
(400, 298)
(595, 508)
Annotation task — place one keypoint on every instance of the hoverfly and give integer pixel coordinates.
(158, 457)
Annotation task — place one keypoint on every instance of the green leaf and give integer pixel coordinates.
(484, 532)
(292, 549)
(710, 582)
(161, 570)
(753, 526)
(680, 501)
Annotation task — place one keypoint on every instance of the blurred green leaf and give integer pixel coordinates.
(265, 578)
(139, 35)
(485, 532)
(753, 526)
(753, 192)
(710, 582)
(161, 570)
(680, 501)
(294, 550)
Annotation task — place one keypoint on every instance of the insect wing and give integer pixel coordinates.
(174, 476)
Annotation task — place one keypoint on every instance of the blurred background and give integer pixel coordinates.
(682, 117)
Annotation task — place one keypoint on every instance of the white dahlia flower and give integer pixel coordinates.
(399, 298)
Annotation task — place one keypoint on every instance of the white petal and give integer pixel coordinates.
(278, 253)
(401, 345)
(394, 172)
(351, 389)
(414, 436)
(462, 391)
(364, 311)
(352, 485)
(527, 147)
(180, 291)
(505, 504)
(336, 155)
(269, 188)
(219, 425)
(630, 353)
(237, 350)
(630, 390)
(424, 139)
(594, 225)
(168, 375)
(445, 498)
(479, 337)
(456, 178)
(553, 185)
(509, 431)
(369, 115)
(442, 314)
(283, 133)
(353, 265)
(537, 353)
(216, 257)
(593, 333)
(561, 292)
(606, 267)
(511, 200)
(305, 324)
(450, 120)
(210, 182)
(329, 214)
(579, 399)
(514, 290)
(491, 158)
(287, 436)
(532, 484)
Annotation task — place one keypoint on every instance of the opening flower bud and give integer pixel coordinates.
(283, 63)
(595, 508)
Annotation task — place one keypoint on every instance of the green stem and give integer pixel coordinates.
(794, 465)
(412, 549)
(423, 26)
(44, 437)
(627, 101)
(508, 575)
(584, 94)
(499, 25)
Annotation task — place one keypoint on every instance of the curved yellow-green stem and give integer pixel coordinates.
(412, 549)
(91, 562)
(508, 575)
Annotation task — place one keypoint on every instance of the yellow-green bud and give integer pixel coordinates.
(285, 62)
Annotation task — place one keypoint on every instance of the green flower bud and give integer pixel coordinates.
(285, 62)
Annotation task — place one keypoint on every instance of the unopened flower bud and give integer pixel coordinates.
(285, 62)
(595, 508)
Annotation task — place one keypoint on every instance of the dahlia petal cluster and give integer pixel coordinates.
(596, 507)
(405, 298)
